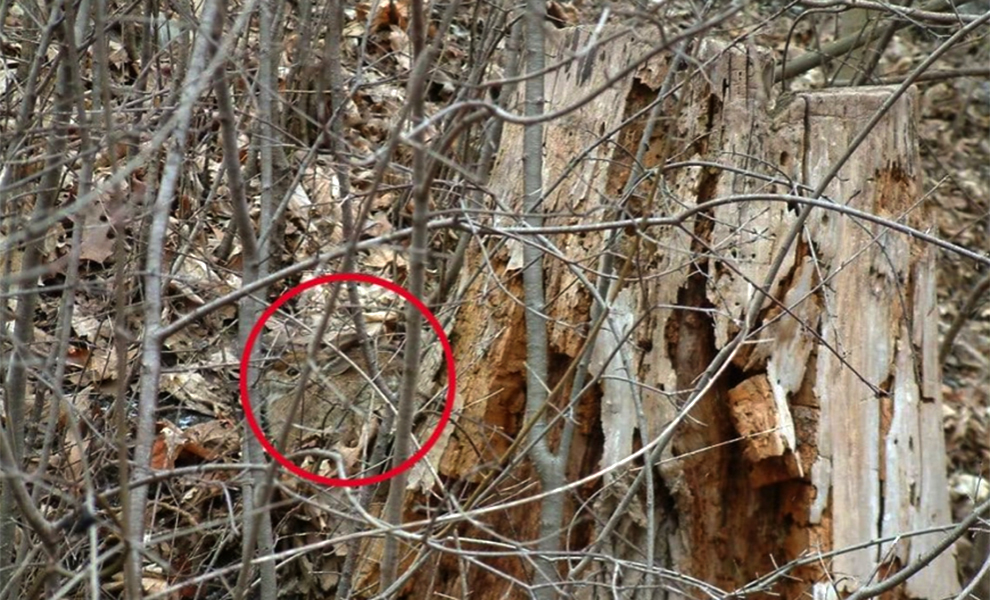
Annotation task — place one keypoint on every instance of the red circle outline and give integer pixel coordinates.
(359, 278)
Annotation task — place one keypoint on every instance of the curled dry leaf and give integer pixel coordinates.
(98, 364)
(90, 327)
(195, 393)
(213, 440)
(167, 445)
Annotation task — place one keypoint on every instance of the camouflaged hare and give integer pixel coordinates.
(340, 406)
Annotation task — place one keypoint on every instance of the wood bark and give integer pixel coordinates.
(824, 431)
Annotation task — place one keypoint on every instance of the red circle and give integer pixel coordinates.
(359, 278)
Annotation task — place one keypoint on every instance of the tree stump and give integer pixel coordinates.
(824, 430)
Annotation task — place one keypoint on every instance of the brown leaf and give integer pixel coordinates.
(167, 445)
(212, 440)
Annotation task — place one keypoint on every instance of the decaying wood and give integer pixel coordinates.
(824, 431)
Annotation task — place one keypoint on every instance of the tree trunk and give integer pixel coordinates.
(821, 433)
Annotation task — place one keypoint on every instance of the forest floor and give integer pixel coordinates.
(954, 130)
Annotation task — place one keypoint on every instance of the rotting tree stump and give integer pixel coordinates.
(824, 430)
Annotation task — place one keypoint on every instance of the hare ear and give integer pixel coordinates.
(337, 366)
